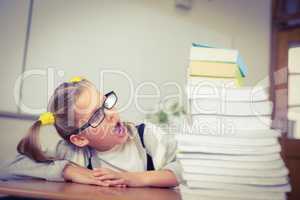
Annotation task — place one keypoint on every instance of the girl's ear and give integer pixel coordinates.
(79, 140)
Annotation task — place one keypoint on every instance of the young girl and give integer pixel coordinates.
(97, 147)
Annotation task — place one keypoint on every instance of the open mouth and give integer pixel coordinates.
(119, 129)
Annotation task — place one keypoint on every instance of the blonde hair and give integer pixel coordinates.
(61, 105)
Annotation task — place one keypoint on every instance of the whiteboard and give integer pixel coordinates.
(147, 41)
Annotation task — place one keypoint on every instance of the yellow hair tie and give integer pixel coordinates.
(76, 79)
(47, 118)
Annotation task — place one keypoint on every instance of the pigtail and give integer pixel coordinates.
(30, 146)
(59, 107)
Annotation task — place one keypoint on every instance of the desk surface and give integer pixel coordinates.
(55, 190)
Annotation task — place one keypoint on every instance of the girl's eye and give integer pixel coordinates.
(97, 118)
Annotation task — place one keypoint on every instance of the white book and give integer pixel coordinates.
(199, 194)
(214, 54)
(197, 140)
(194, 185)
(217, 82)
(244, 158)
(188, 196)
(263, 173)
(238, 180)
(217, 122)
(293, 60)
(294, 115)
(293, 90)
(215, 107)
(195, 129)
(212, 91)
(275, 164)
(230, 149)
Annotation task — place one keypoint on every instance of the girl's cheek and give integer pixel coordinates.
(98, 132)
(104, 126)
(94, 132)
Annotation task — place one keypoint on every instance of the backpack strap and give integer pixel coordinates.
(89, 166)
(140, 129)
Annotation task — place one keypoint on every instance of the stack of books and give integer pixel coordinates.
(229, 151)
(293, 96)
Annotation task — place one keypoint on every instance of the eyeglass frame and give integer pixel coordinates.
(88, 124)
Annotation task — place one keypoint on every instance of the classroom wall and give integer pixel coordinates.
(147, 39)
(13, 21)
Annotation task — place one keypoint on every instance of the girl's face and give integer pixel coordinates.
(110, 132)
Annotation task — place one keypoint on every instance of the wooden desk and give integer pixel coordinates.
(54, 190)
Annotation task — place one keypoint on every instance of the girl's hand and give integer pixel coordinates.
(129, 179)
(82, 175)
(155, 178)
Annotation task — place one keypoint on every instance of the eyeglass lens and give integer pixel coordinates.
(110, 101)
(99, 115)
(97, 118)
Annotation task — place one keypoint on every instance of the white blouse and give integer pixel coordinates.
(125, 156)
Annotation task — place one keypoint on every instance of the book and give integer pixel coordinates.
(195, 140)
(215, 194)
(244, 158)
(212, 91)
(194, 185)
(193, 81)
(188, 196)
(195, 129)
(293, 60)
(238, 180)
(293, 89)
(230, 149)
(294, 116)
(217, 107)
(214, 69)
(205, 53)
(275, 164)
(217, 122)
(262, 173)
(195, 72)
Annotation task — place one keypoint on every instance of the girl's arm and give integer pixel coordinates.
(52, 146)
(61, 170)
(162, 148)
(23, 167)
(156, 178)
